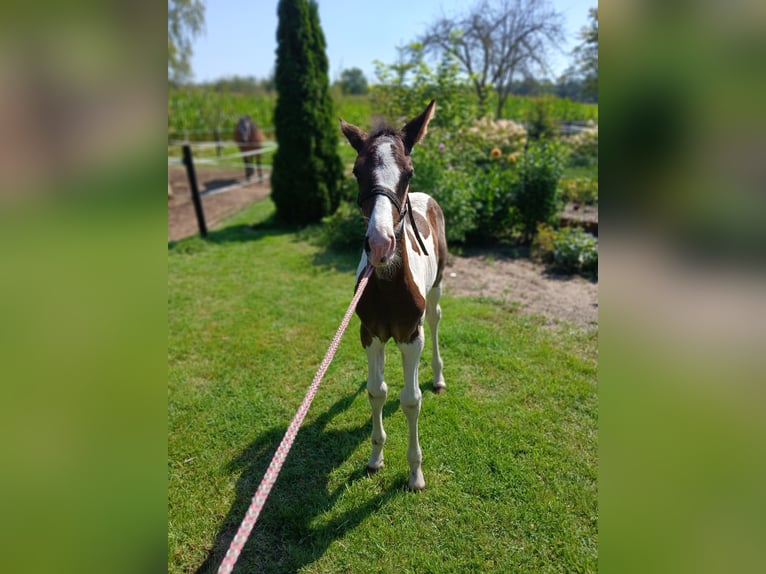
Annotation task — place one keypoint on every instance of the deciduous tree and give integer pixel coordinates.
(586, 55)
(352, 81)
(186, 19)
(496, 40)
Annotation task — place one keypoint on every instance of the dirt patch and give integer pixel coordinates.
(525, 283)
(494, 274)
(182, 221)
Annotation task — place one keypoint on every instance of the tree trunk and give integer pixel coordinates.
(501, 97)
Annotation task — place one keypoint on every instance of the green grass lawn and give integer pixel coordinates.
(509, 450)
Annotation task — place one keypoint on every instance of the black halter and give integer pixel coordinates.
(402, 209)
(380, 190)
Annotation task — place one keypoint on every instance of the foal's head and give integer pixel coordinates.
(383, 170)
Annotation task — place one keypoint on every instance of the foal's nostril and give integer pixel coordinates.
(367, 247)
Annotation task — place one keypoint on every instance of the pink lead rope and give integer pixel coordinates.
(259, 499)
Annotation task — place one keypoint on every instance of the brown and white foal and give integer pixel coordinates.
(406, 244)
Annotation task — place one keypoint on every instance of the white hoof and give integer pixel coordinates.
(371, 470)
(417, 482)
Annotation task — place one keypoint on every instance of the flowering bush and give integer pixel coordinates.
(583, 147)
(537, 199)
(498, 133)
(493, 137)
(487, 183)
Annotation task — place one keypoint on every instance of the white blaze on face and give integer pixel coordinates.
(380, 230)
(386, 173)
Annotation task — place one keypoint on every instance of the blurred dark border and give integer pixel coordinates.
(682, 299)
(83, 296)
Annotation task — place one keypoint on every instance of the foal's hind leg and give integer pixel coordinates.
(410, 399)
(433, 316)
(376, 393)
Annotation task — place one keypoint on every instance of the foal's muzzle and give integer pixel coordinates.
(380, 251)
(368, 251)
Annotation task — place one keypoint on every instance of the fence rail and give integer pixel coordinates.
(187, 160)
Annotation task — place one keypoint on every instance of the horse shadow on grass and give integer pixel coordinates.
(219, 183)
(289, 533)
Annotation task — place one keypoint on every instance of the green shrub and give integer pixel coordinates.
(455, 196)
(583, 190)
(542, 245)
(452, 188)
(343, 230)
(494, 196)
(536, 198)
(575, 251)
(540, 122)
(568, 250)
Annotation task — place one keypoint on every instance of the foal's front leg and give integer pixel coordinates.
(410, 399)
(376, 392)
(433, 316)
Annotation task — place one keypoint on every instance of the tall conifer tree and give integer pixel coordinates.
(307, 170)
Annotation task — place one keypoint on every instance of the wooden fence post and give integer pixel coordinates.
(189, 163)
(218, 146)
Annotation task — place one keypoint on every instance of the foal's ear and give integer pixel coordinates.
(416, 128)
(354, 135)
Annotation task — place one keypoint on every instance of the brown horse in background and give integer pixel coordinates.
(249, 138)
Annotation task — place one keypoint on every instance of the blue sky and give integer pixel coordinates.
(240, 36)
